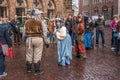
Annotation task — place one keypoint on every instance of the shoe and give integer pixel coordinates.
(3, 75)
(37, 69)
(112, 48)
(38, 72)
(82, 58)
(78, 55)
(61, 64)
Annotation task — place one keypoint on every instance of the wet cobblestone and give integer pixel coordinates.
(101, 64)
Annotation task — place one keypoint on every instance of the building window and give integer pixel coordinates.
(96, 10)
(20, 11)
(3, 8)
(20, 2)
(3, 12)
(85, 2)
(1, 1)
(51, 8)
(20, 7)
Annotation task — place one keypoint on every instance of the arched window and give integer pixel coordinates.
(96, 10)
(20, 7)
(51, 8)
(3, 8)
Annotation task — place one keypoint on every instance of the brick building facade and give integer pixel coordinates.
(108, 8)
(8, 8)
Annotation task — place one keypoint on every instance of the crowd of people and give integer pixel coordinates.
(71, 32)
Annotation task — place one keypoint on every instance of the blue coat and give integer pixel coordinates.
(4, 35)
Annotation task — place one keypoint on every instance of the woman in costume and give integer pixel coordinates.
(64, 43)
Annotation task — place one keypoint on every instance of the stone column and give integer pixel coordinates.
(12, 8)
(30, 4)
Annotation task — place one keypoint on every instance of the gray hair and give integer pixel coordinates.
(35, 13)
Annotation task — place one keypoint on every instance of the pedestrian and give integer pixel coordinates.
(69, 24)
(0, 20)
(46, 40)
(89, 25)
(100, 25)
(113, 29)
(15, 23)
(33, 30)
(88, 36)
(74, 22)
(4, 40)
(51, 28)
(79, 38)
(118, 37)
(64, 43)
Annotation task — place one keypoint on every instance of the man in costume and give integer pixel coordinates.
(33, 32)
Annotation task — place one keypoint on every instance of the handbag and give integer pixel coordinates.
(5, 49)
(119, 35)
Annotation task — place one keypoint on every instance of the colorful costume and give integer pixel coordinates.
(64, 46)
(79, 39)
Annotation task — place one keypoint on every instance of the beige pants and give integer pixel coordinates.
(34, 48)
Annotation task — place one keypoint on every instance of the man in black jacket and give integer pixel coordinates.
(15, 23)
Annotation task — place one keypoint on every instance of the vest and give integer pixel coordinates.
(100, 25)
(33, 28)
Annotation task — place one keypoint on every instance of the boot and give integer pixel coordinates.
(29, 65)
(37, 69)
(78, 55)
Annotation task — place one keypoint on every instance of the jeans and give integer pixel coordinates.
(17, 38)
(118, 45)
(100, 32)
(2, 64)
(115, 42)
(72, 38)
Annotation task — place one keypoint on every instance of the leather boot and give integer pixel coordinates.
(78, 55)
(29, 65)
(37, 69)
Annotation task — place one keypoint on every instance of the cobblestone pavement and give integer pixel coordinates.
(101, 64)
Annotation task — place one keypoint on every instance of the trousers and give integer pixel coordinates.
(34, 48)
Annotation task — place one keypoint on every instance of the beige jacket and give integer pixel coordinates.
(61, 33)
